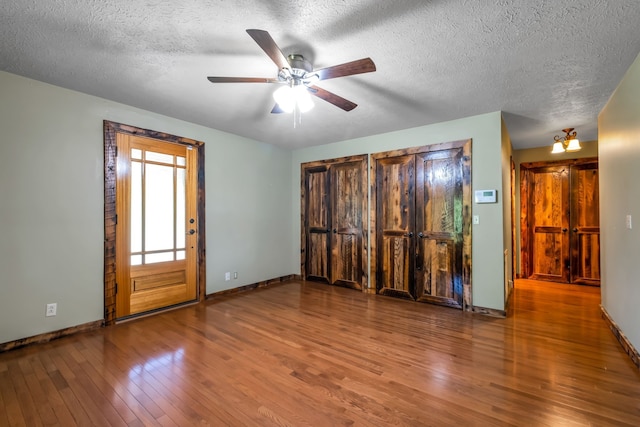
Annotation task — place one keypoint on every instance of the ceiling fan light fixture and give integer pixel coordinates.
(290, 97)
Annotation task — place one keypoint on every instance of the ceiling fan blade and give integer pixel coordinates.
(241, 80)
(332, 98)
(360, 66)
(270, 47)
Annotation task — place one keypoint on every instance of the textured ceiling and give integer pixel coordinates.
(546, 64)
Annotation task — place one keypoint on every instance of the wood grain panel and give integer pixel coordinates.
(560, 232)
(439, 225)
(549, 223)
(347, 212)
(318, 263)
(395, 182)
(432, 174)
(333, 204)
(157, 280)
(585, 224)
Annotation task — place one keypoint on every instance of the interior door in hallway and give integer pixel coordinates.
(156, 231)
(333, 218)
(560, 221)
(549, 206)
(585, 224)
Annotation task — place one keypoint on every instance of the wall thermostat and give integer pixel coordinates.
(486, 196)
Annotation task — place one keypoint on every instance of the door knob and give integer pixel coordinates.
(575, 230)
(335, 231)
(564, 230)
(409, 234)
(420, 234)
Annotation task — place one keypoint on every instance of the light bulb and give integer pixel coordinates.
(285, 98)
(557, 148)
(574, 145)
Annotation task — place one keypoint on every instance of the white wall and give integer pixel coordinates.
(51, 204)
(487, 237)
(619, 157)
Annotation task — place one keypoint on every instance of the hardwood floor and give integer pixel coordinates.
(306, 354)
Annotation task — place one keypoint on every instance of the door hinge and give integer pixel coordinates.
(116, 155)
(116, 219)
(116, 288)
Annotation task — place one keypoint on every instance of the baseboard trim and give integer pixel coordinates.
(489, 311)
(622, 339)
(49, 336)
(252, 286)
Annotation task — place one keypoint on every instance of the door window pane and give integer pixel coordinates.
(152, 156)
(136, 206)
(180, 208)
(159, 212)
(159, 257)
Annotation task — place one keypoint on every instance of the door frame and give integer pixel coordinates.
(466, 211)
(526, 243)
(110, 219)
(363, 159)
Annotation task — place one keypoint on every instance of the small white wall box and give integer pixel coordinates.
(486, 196)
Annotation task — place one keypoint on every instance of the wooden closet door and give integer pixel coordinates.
(585, 225)
(346, 215)
(318, 223)
(549, 226)
(439, 227)
(395, 213)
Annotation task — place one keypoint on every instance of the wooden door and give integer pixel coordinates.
(318, 223)
(333, 198)
(395, 216)
(347, 194)
(156, 230)
(585, 225)
(549, 223)
(439, 222)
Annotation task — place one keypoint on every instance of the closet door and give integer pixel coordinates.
(347, 210)
(585, 225)
(439, 227)
(317, 223)
(395, 216)
(333, 221)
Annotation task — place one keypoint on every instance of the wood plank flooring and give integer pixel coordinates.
(307, 354)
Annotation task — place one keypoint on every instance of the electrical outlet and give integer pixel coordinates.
(227, 276)
(476, 219)
(235, 275)
(628, 222)
(52, 309)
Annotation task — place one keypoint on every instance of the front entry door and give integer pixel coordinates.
(156, 230)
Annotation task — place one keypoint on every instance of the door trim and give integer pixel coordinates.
(526, 250)
(466, 211)
(110, 219)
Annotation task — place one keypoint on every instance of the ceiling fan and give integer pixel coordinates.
(298, 75)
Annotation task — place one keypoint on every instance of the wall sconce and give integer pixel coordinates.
(568, 142)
